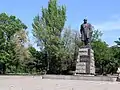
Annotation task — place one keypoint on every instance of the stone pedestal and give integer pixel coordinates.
(85, 61)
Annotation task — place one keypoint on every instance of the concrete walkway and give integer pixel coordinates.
(37, 83)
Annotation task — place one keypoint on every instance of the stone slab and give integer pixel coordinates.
(78, 77)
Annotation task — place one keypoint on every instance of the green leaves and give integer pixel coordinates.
(47, 30)
(106, 58)
(96, 36)
(9, 26)
(118, 42)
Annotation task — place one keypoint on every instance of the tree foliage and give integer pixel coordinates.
(118, 42)
(9, 25)
(106, 58)
(47, 29)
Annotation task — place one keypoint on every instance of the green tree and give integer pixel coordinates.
(115, 59)
(21, 52)
(118, 42)
(9, 25)
(96, 35)
(47, 30)
(71, 41)
(106, 58)
(37, 60)
(101, 53)
(115, 54)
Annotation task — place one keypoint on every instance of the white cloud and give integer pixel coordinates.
(113, 24)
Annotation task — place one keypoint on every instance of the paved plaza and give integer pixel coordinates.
(37, 83)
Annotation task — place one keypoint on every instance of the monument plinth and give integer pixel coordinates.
(85, 61)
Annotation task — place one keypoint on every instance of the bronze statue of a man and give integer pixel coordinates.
(86, 32)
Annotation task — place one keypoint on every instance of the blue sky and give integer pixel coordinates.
(102, 14)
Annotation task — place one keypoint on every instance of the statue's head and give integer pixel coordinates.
(85, 20)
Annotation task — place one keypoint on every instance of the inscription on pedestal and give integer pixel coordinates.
(84, 58)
